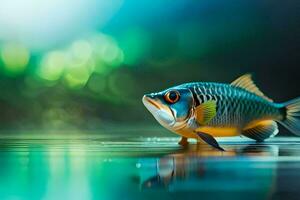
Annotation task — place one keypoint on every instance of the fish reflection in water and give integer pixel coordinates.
(205, 169)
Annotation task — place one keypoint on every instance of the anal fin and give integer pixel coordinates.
(261, 130)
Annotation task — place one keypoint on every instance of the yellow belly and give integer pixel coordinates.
(213, 131)
(220, 131)
(187, 133)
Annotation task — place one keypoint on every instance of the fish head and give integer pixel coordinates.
(171, 108)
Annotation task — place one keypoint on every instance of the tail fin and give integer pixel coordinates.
(292, 118)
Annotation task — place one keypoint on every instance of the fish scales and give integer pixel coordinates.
(235, 106)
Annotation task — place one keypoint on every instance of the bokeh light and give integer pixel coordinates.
(52, 66)
(77, 76)
(96, 53)
(81, 52)
(15, 57)
(107, 53)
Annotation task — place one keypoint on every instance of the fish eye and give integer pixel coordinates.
(172, 96)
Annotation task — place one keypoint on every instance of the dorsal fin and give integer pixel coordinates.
(247, 83)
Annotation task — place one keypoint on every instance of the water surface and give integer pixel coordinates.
(97, 167)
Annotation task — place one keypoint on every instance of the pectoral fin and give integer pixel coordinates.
(261, 130)
(209, 140)
(206, 112)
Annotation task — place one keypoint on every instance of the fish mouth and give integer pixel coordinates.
(161, 113)
(149, 100)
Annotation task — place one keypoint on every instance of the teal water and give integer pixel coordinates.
(96, 167)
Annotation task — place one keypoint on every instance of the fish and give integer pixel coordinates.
(205, 110)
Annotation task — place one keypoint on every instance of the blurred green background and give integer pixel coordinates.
(86, 64)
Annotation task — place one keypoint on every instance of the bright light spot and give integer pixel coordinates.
(100, 42)
(52, 66)
(44, 24)
(80, 64)
(138, 165)
(80, 56)
(110, 53)
(81, 52)
(107, 51)
(15, 57)
(97, 53)
(76, 77)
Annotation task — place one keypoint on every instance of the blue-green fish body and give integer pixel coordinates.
(203, 110)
